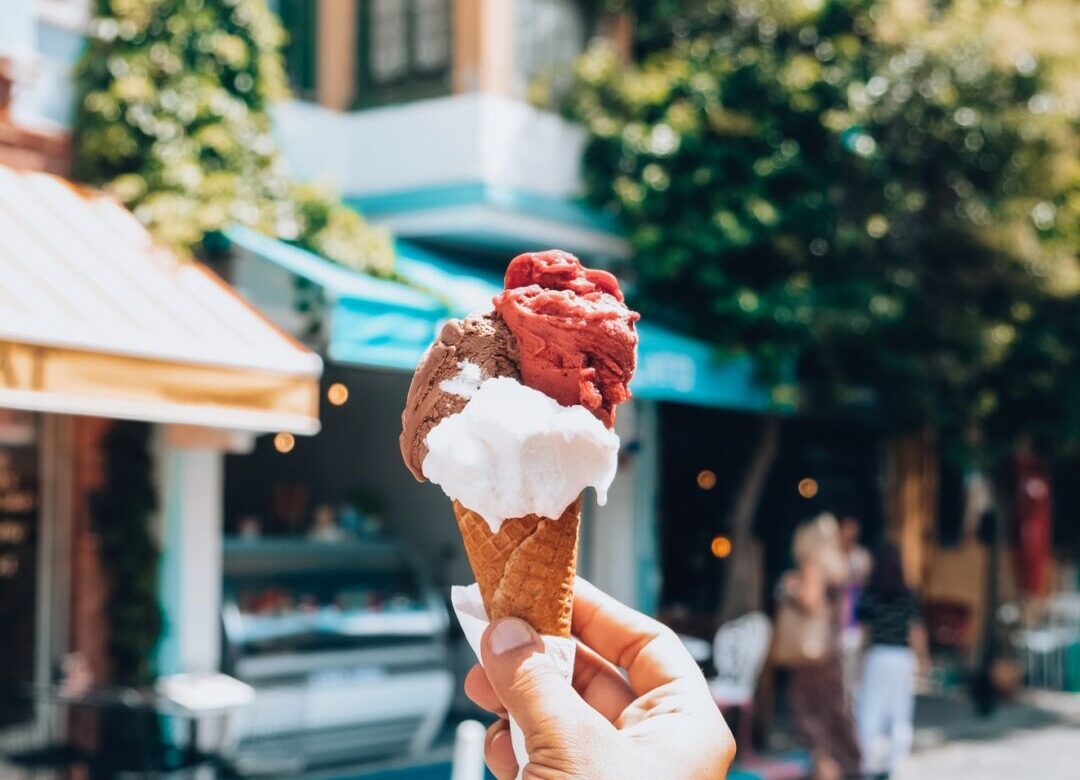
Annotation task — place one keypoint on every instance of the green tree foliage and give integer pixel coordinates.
(122, 514)
(173, 120)
(869, 189)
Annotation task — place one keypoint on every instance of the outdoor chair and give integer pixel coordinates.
(1044, 648)
(739, 651)
(1042, 655)
(1063, 613)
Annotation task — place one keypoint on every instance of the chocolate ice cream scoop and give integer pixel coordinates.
(467, 352)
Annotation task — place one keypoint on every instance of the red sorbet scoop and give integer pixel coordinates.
(575, 335)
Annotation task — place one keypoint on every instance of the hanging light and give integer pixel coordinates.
(720, 546)
(706, 479)
(808, 487)
(337, 394)
(284, 442)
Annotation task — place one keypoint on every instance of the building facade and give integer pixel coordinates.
(101, 329)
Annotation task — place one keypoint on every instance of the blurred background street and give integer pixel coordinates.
(1032, 738)
(230, 228)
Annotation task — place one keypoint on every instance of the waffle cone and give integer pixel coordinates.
(527, 569)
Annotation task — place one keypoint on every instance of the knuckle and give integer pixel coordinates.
(562, 756)
(532, 678)
(718, 751)
(527, 685)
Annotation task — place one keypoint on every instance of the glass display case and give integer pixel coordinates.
(345, 644)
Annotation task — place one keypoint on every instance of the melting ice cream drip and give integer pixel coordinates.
(513, 451)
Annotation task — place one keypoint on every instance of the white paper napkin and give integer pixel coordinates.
(469, 607)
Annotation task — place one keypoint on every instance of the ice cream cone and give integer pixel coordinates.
(527, 569)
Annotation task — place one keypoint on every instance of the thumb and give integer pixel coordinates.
(534, 692)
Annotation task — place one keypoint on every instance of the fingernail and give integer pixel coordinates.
(502, 733)
(510, 634)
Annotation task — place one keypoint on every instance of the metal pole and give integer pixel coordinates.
(468, 751)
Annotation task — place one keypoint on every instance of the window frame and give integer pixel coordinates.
(303, 78)
(523, 81)
(416, 83)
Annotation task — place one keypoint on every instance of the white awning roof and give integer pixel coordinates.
(97, 319)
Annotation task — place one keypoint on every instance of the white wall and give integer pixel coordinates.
(451, 140)
(16, 29)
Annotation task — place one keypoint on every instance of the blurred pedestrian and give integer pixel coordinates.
(886, 699)
(858, 562)
(811, 596)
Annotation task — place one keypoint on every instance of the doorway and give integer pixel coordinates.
(34, 563)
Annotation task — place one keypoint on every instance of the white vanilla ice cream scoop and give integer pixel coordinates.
(513, 451)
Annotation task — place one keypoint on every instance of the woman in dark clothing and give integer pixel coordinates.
(820, 713)
(886, 700)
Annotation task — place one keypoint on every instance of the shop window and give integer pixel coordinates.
(300, 20)
(549, 35)
(404, 50)
(19, 501)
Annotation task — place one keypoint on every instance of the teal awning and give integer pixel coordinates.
(472, 214)
(673, 367)
(387, 324)
(464, 289)
(372, 322)
(367, 333)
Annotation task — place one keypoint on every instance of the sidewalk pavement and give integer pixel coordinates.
(1036, 736)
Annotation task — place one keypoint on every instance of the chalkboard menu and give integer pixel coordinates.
(19, 501)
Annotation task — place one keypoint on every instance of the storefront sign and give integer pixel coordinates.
(18, 580)
(72, 381)
(22, 367)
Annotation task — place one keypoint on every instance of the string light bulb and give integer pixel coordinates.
(808, 487)
(706, 479)
(337, 394)
(720, 546)
(284, 442)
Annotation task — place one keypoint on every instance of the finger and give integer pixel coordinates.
(529, 685)
(649, 651)
(600, 684)
(499, 752)
(480, 692)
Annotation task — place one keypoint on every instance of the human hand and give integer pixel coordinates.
(659, 721)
